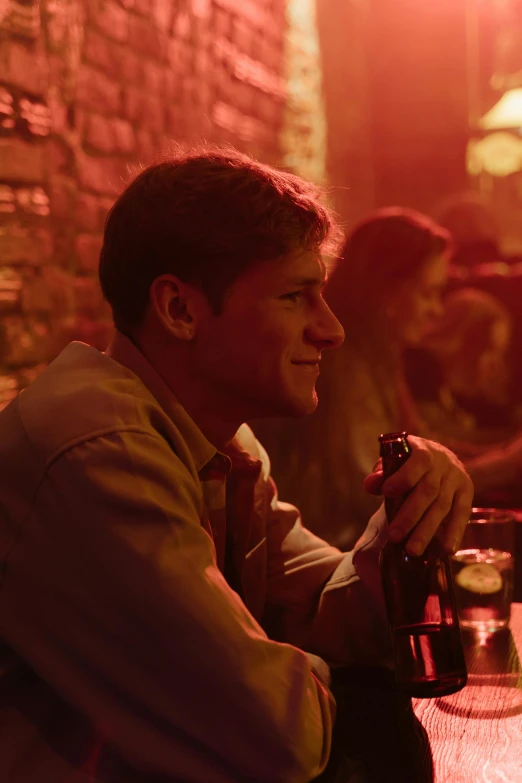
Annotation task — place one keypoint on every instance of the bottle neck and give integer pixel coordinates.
(395, 450)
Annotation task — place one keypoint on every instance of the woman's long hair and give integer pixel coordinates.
(384, 251)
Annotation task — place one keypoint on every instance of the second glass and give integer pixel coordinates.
(483, 570)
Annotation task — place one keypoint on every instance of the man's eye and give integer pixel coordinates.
(294, 296)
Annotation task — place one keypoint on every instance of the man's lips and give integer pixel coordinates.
(309, 365)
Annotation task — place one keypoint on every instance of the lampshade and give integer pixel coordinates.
(506, 114)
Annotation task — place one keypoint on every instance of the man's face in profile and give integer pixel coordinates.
(261, 354)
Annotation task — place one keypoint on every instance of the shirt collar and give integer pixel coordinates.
(123, 351)
(241, 460)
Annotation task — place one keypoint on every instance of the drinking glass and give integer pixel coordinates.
(483, 570)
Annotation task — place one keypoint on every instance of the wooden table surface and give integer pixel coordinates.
(476, 734)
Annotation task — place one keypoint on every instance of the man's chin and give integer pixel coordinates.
(303, 407)
(288, 406)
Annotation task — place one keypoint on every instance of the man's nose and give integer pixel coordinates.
(327, 330)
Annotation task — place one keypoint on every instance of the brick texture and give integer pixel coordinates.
(20, 67)
(88, 252)
(97, 98)
(98, 92)
(21, 161)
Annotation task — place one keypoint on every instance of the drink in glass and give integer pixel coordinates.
(483, 569)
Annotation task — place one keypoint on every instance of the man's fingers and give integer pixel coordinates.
(448, 513)
(458, 518)
(436, 495)
(409, 474)
(373, 482)
(415, 506)
(432, 519)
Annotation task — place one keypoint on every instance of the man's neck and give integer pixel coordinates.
(204, 410)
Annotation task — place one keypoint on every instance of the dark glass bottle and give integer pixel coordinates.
(420, 600)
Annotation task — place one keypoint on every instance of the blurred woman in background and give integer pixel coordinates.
(387, 292)
(460, 375)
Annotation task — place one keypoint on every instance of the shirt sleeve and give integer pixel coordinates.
(325, 601)
(112, 595)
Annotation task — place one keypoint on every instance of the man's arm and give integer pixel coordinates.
(112, 595)
(332, 604)
(326, 602)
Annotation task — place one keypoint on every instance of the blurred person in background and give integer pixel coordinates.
(460, 375)
(478, 259)
(387, 292)
(475, 234)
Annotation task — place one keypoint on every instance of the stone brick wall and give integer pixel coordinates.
(89, 90)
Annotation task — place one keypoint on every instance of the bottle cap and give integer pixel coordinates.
(388, 437)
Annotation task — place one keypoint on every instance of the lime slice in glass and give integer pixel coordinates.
(480, 578)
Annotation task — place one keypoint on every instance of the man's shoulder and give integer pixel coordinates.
(81, 394)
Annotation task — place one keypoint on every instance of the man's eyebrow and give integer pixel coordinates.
(306, 281)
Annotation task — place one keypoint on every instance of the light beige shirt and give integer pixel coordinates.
(127, 655)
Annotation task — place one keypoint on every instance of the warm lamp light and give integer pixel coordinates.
(506, 114)
(498, 154)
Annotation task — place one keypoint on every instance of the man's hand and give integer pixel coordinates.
(439, 496)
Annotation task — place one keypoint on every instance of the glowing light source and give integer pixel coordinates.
(498, 154)
(506, 114)
(303, 136)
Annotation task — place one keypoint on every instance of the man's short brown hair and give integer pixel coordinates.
(204, 216)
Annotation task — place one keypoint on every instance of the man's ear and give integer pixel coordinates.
(174, 303)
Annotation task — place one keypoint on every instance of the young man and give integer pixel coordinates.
(164, 615)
